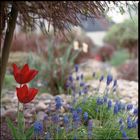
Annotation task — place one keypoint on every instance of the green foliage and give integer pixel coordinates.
(119, 57)
(123, 33)
(19, 132)
(9, 81)
(59, 66)
(36, 63)
(105, 123)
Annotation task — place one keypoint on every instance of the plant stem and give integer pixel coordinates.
(18, 114)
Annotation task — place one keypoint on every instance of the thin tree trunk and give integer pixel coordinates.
(7, 41)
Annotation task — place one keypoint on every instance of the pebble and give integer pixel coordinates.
(41, 115)
(40, 106)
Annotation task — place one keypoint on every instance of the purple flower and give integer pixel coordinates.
(101, 78)
(46, 118)
(90, 124)
(75, 116)
(67, 84)
(55, 119)
(76, 68)
(77, 78)
(71, 109)
(90, 127)
(105, 99)
(120, 121)
(80, 93)
(70, 78)
(109, 104)
(128, 119)
(109, 79)
(58, 102)
(85, 90)
(129, 107)
(115, 83)
(135, 112)
(124, 135)
(116, 110)
(121, 127)
(85, 116)
(79, 110)
(82, 84)
(38, 127)
(82, 76)
(119, 106)
(99, 101)
(129, 125)
(134, 124)
(66, 120)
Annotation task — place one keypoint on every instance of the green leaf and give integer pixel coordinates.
(21, 123)
(29, 133)
(12, 128)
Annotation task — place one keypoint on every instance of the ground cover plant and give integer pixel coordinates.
(90, 114)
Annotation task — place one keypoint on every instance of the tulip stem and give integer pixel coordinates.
(18, 114)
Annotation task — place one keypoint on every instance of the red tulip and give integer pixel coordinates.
(24, 75)
(25, 94)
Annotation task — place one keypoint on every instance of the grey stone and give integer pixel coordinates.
(41, 115)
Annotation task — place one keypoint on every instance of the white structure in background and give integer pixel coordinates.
(97, 37)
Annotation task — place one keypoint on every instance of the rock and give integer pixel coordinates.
(41, 115)
(11, 113)
(45, 96)
(41, 106)
(62, 110)
(47, 101)
(28, 115)
(2, 113)
(6, 100)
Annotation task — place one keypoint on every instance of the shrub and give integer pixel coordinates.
(58, 67)
(119, 57)
(106, 52)
(124, 35)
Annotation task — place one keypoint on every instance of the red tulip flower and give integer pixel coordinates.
(24, 75)
(25, 94)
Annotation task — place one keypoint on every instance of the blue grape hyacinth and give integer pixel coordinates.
(66, 120)
(129, 107)
(90, 127)
(135, 112)
(76, 68)
(38, 127)
(58, 102)
(109, 104)
(101, 78)
(85, 116)
(109, 79)
(116, 109)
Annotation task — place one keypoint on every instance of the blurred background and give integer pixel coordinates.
(106, 45)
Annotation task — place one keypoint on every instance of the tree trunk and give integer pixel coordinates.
(7, 41)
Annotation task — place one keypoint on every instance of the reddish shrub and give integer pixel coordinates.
(106, 52)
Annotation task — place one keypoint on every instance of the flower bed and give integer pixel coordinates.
(97, 116)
